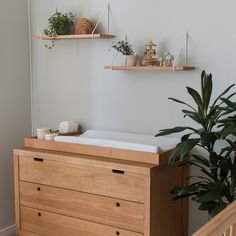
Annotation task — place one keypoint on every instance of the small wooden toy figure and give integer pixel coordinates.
(150, 54)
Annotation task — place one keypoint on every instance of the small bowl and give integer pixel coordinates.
(50, 137)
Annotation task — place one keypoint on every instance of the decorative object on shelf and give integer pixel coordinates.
(52, 35)
(150, 68)
(215, 188)
(166, 60)
(161, 61)
(166, 63)
(126, 49)
(150, 54)
(84, 26)
(59, 24)
(169, 59)
(132, 60)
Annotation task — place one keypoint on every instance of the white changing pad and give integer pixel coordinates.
(127, 141)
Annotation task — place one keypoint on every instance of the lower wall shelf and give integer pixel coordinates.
(150, 68)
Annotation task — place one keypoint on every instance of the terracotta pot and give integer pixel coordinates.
(132, 60)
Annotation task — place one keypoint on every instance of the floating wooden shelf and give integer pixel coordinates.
(150, 68)
(77, 36)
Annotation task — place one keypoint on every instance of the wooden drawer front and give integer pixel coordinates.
(90, 179)
(50, 224)
(25, 233)
(109, 211)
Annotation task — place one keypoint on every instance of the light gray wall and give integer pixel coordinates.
(70, 82)
(15, 121)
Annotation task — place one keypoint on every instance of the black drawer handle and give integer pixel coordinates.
(38, 159)
(117, 233)
(39, 214)
(39, 189)
(121, 172)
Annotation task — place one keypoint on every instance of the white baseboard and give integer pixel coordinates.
(8, 231)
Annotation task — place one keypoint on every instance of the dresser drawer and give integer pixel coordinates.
(104, 210)
(109, 182)
(26, 233)
(50, 224)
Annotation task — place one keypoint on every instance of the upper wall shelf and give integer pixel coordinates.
(150, 68)
(77, 36)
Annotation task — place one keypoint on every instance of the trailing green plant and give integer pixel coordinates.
(59, 24)
(215, 188)
(124, 48)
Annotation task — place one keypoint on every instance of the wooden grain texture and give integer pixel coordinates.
(84, 26)
(77, 36)
(50, 224)
(80, 159)
(148, 206)
(121, 154)
(26, 233)
(101, 181)
(168, 217)
(17, 192)
(224, 224)
(150, 68)
(104, 210)
(76, 190)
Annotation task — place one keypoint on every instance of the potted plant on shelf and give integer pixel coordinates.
(215, 188)
(126, 49)
(59, 24)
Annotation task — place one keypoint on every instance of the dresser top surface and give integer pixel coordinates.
(99, 152)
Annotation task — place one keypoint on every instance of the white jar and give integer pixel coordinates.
(42, 132)
(50, 137)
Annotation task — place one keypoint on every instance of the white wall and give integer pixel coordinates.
(70, 82)
(15, 121)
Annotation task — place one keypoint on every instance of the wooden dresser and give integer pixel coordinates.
(90, 191)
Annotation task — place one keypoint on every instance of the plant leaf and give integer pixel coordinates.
(207, 92)
(188, 145)
(228, 130)
(222, 94)
(177, 129)
(209, 196)
(229, 103)
(216, 210)
(178, 101)
(197, 98)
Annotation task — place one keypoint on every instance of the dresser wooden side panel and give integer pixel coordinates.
(168, 217)
(17, 192)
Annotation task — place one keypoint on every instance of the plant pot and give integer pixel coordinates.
(65, 29)
(131, 60)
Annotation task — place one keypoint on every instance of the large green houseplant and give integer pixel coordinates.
(215, 188)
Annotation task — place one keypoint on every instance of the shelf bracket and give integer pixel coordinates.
(186, 42)
(106, 10)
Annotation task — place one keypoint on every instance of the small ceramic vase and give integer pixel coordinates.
(132, 60)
